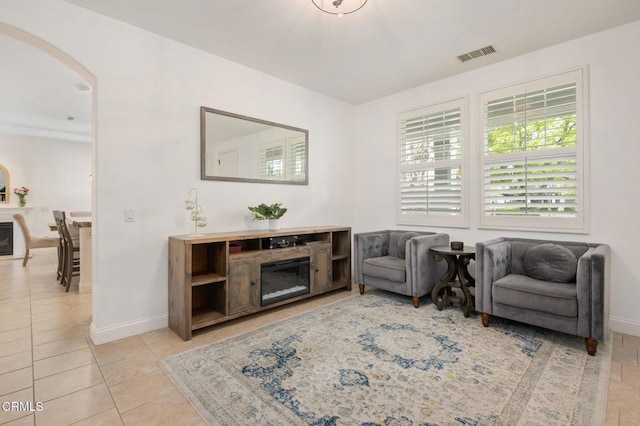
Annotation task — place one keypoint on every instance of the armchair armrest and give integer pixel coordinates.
(493, 261)
(367, 245)
(592, 285)
(423, 272)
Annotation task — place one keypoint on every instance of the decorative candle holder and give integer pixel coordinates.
(197, 216)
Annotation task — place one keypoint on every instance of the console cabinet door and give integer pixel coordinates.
(243, 285)
(321, 268)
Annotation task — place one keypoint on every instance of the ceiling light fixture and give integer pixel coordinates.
(339, 7)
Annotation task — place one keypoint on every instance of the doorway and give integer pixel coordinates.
(47, 111)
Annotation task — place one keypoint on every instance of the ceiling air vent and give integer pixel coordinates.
(483, 51)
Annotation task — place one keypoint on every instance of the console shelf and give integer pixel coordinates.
(203, 318)
(215, 278)
(207, 279)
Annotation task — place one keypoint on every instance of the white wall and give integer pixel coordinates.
(615, 151)
(148, 94)
(56, 173)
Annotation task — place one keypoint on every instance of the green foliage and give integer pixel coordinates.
(554, 132)
(263, 211)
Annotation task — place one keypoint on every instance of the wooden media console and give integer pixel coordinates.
(218, 277)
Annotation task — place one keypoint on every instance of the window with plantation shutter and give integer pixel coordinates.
(532, 162)
(284, 159)
(432, 145)
(272, 162)
(297, 160)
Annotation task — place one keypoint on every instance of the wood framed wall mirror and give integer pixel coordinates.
(238, 148)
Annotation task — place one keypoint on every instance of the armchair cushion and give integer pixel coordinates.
(393, 237)
(377, 246)
(386, 267)
(541, 296)
(551, 262)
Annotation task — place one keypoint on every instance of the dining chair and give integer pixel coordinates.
(61, 248)
(70, 251)
(30, 241)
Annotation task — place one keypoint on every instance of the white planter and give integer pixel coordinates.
(274, 224)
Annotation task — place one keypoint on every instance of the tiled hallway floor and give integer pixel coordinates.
(46, 356)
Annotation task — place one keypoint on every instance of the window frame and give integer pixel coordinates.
(460, 220)
(578, 224)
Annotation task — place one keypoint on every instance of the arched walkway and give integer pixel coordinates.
(84, 73)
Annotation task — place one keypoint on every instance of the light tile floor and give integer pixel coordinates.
(46, 356)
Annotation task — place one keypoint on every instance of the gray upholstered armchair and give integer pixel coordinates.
(562, 286)
(398, 261)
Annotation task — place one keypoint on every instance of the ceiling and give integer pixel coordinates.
(384, 48)
(39, 95)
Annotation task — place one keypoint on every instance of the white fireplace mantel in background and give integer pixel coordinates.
(6, 215)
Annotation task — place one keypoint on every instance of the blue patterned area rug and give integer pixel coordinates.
(376, 360)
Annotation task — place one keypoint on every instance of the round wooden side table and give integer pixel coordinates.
(457, 267)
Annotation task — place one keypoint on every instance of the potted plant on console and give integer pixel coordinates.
(272, 213)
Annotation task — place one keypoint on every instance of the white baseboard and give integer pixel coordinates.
(620, 325)
(109, 334)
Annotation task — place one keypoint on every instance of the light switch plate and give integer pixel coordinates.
(129, 215)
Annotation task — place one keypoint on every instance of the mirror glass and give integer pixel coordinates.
(4, 185)
(234, 147)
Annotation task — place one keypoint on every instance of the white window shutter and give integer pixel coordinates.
(533, 156)
(432, 142)
(272, 162)
(297, 159)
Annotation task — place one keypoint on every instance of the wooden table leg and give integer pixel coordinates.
(442, 290)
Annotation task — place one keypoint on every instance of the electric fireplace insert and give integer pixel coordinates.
(6, 238)
(284, 280)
